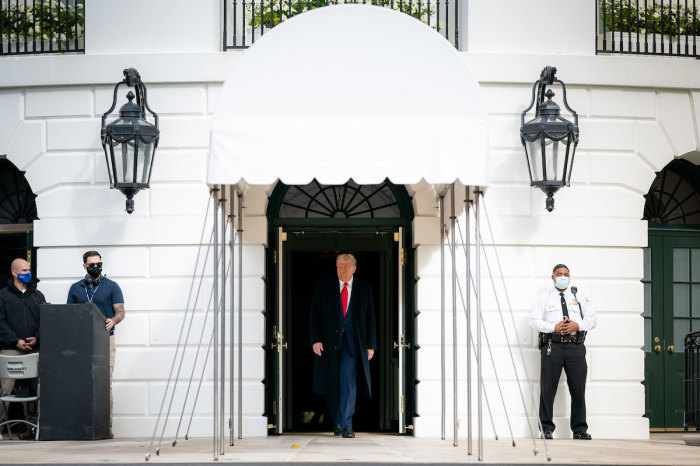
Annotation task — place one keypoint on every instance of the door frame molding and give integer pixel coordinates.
(275, 224)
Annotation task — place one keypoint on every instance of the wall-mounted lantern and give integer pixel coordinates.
(549, 139)
(130, 141)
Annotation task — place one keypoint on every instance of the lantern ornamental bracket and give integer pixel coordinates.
(130, 141)
(549, 139)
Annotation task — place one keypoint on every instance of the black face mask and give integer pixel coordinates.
(94, 271)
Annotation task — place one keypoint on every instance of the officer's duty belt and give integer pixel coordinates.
(554, 337)
(559, 338)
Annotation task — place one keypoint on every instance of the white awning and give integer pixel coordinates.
(350, 91)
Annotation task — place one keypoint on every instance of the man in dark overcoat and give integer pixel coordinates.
(344, 338)
(19, 325)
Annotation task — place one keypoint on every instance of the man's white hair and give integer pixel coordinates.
(346, 258)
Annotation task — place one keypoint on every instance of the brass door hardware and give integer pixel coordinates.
(402, 343)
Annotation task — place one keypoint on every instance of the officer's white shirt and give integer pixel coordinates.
(547, 312)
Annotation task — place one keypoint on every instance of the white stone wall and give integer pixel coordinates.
(626, 136)
(533, 26)
(53, 134)
(636, 114)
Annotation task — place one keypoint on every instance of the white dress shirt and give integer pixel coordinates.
(349, 288)
(547, 312)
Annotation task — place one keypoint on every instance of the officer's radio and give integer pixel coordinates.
(580, 336)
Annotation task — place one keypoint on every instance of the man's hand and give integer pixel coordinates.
(370, 353)
(559, 326)
(566, 326)
(31, 341)
(569, 327)
(109, 324)
(23, 346)
(318, 347)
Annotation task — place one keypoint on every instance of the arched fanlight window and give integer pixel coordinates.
(349, 200)
(17, 201)
(674, 196)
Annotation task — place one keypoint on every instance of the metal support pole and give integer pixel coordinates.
(222, 380)
(215, 413)
(480, 384)
(453, 246)
(232, 244)
(467, 205)
(441, 203)
(240, 315)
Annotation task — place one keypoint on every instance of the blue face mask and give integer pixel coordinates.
(561, 282)
(25, 277)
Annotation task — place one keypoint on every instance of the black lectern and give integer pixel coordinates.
(74, 372)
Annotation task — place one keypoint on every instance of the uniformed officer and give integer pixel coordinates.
(563, 316)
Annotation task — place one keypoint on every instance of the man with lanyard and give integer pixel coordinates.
(563, 318)
(107, 296)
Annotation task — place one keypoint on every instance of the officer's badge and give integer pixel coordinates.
(574, 302)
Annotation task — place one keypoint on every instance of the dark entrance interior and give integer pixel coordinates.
(308, 226)
(309, 258)
(17, 212)
(12, 246)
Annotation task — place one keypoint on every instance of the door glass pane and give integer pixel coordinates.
(680, 264)
(695, 300)
(647, 264)
(696, 325)
(681, 300)
(647, 300)
(647, 335)
(680, 328)
(695, 265)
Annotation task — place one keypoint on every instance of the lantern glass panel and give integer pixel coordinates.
(145, 157)
(571, 150)
(534, 156)
(555, 160)
(109, 156)
(125, 166)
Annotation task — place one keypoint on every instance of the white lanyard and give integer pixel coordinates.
(93, 293)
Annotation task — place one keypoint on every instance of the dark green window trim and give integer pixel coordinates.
(674, 196)
(350, 205)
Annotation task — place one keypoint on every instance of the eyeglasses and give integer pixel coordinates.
(95, 264)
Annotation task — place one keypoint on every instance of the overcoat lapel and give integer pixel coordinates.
(338, 302)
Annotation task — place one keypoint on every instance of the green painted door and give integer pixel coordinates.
(672, 309)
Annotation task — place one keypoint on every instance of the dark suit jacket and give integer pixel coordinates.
(325, 324)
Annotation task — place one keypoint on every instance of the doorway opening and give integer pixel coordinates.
(17, 212)
(304, 245)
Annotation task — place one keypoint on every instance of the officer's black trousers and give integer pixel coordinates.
(572, 358)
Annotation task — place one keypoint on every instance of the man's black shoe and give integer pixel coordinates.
(29, 433)
(337, 430)
(582, 436)
(348, 433)
(547, 436)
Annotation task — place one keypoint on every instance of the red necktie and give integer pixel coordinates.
(344, 298)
